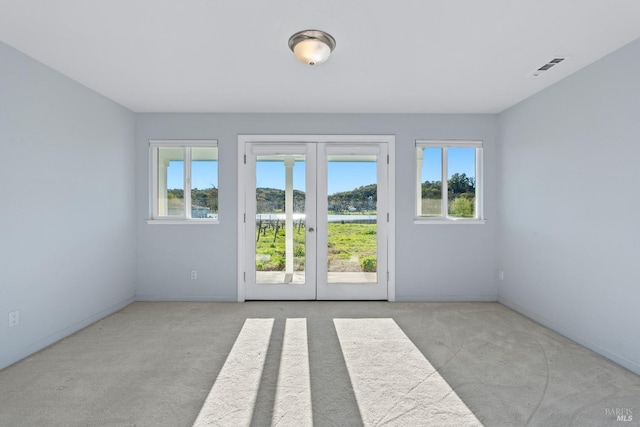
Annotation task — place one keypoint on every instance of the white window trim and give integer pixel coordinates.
(186, 144)
(479, 208)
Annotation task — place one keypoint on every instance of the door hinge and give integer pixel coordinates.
(387, 216)
(387, 159)
(387, 276)
(245, 218)
(245, 159)
(244, 278)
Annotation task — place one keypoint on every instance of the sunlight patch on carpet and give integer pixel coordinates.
(393, 382)
(293, 394)
(233, 395)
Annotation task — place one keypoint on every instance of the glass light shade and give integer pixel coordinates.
(312, 51)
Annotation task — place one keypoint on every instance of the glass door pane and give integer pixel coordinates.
(352, 229)
(280, 220)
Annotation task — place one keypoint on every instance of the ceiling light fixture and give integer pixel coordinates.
(312, 46)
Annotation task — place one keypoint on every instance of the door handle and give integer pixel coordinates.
(311, 230)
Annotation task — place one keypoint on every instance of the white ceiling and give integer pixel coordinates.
(404, 56)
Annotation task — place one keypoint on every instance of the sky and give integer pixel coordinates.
(342, 176)
(204, 174)
(461, 160)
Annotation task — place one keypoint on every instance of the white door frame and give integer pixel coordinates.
(354, 139)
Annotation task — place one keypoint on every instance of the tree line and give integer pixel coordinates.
(461, 193)
(206, 198)
(360, 199)
(459, 185)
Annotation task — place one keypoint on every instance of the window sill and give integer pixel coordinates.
(183, 221)
(449, 221)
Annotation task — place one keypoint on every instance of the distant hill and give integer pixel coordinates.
(272, 200)
(207, 197)
(359, 199)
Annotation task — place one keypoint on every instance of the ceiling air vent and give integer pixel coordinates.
(550, 64)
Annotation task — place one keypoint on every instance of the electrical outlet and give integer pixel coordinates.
(501, 275)
(14, 318)
(194, 274)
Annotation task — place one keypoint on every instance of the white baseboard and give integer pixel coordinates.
(410, 298)
(447, 298)
(620, 360)
(178, 298)
(63, 333)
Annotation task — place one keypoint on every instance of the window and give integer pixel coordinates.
(185, 180)
(449, 181)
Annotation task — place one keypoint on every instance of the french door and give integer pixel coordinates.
(317, 220)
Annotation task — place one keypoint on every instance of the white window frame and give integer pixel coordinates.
(186, 145)
(444, 218)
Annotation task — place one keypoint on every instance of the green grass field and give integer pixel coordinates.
(431, 207)
(461, 207)
(349, 246)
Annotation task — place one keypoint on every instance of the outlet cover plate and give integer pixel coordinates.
(14, 318)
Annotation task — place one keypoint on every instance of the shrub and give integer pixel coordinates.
(461, 207)
(369, 264)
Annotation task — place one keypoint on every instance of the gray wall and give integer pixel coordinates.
(434, 262)
(569, 234)
(67, 241)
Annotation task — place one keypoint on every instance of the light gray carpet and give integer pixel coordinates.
(325, 363)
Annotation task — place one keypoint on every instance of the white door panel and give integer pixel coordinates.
(274, 176)
(362, 273)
